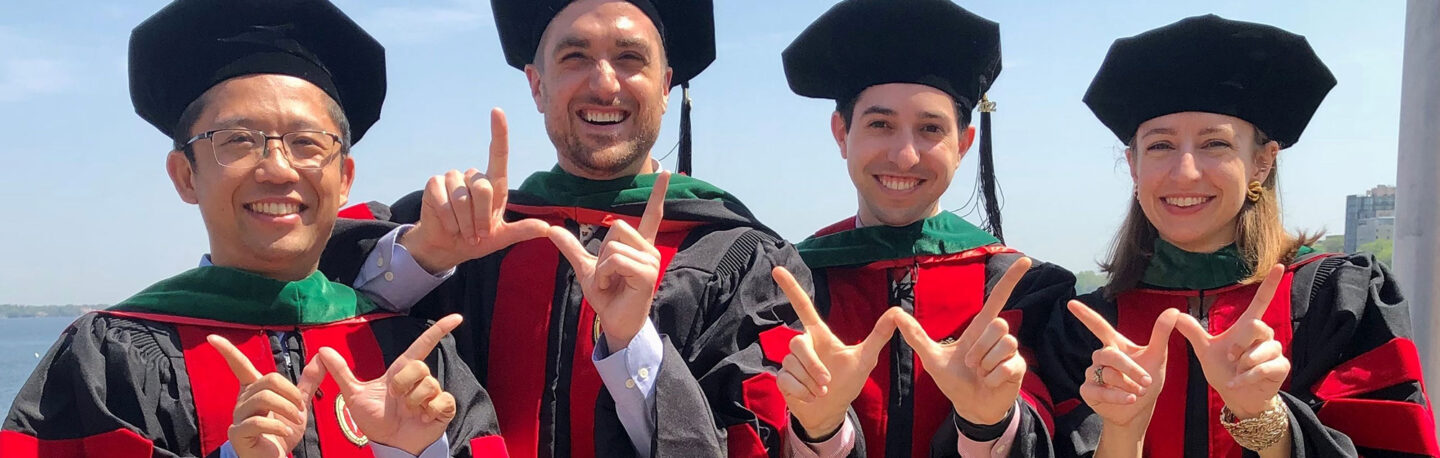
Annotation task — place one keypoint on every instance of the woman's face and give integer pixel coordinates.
(1191, 171)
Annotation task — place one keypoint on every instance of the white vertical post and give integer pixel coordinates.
(1417, 221)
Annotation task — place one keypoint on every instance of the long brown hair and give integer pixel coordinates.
(1260, 236)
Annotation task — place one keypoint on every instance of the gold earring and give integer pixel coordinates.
(1253, 193)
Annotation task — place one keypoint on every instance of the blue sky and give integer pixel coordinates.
(93, 217)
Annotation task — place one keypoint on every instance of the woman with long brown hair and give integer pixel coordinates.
(1281, 351)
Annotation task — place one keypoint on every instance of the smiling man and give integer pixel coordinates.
(905, 75)
(263, 100)
(678, 370)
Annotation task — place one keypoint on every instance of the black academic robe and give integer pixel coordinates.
(939, 270)
(139, 379)
(1355, 379)
(529, 334)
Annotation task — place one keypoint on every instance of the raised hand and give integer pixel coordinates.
(620, 283)
(822, 375)
(271, 413)
(462, 216)
(1131, 375)
(406, 408)
(981, 371)
(1245, 364)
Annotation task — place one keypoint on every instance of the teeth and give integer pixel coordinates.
(275, 208)
(898, 183)
(603, 117)
(1186, 201)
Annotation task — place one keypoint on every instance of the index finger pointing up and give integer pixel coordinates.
(655, 208)
(814, 325)
(239, 364)
(999, 296)
(499, 156)
(1265, 294)
(431, 337)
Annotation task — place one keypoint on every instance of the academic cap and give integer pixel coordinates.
(686, 26)
(863, 43)
(1256, 72)
(191, 45)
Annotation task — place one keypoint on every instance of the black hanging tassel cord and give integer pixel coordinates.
(987, 172)
(683, 163)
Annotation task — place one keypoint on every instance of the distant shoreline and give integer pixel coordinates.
(41, 311)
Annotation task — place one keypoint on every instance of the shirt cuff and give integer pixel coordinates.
(629, 376)
(1000, 447)
(633, 367)
(228, 451)
(838, 445)
(392, 279)
(437, 449)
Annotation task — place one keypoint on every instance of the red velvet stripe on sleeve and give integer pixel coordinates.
(1395, 362)
(1375, 423)
(120, 443)
(488, 447)
(762, 397)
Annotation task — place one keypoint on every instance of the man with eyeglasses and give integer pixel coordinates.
(263, 99)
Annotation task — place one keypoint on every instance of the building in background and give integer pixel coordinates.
(1369, 217)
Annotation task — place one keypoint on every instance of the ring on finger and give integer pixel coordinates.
(1100, 375)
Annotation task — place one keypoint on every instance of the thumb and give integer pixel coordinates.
(525, 229)
(1192, 330)
(880, 335)
(1157, 349)
(580, 260)
(914, 334)
(310, 379)
(339, 370)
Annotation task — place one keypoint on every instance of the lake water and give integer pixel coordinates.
(20, 340)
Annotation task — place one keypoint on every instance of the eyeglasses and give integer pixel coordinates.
(242, 148)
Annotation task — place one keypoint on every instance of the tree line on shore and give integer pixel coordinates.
(26, 311)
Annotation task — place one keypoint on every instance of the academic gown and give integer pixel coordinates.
(1355, 377)
(529, 335)
(940, 270)
(139, 379)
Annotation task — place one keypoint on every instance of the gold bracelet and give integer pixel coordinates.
(1261, 432)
